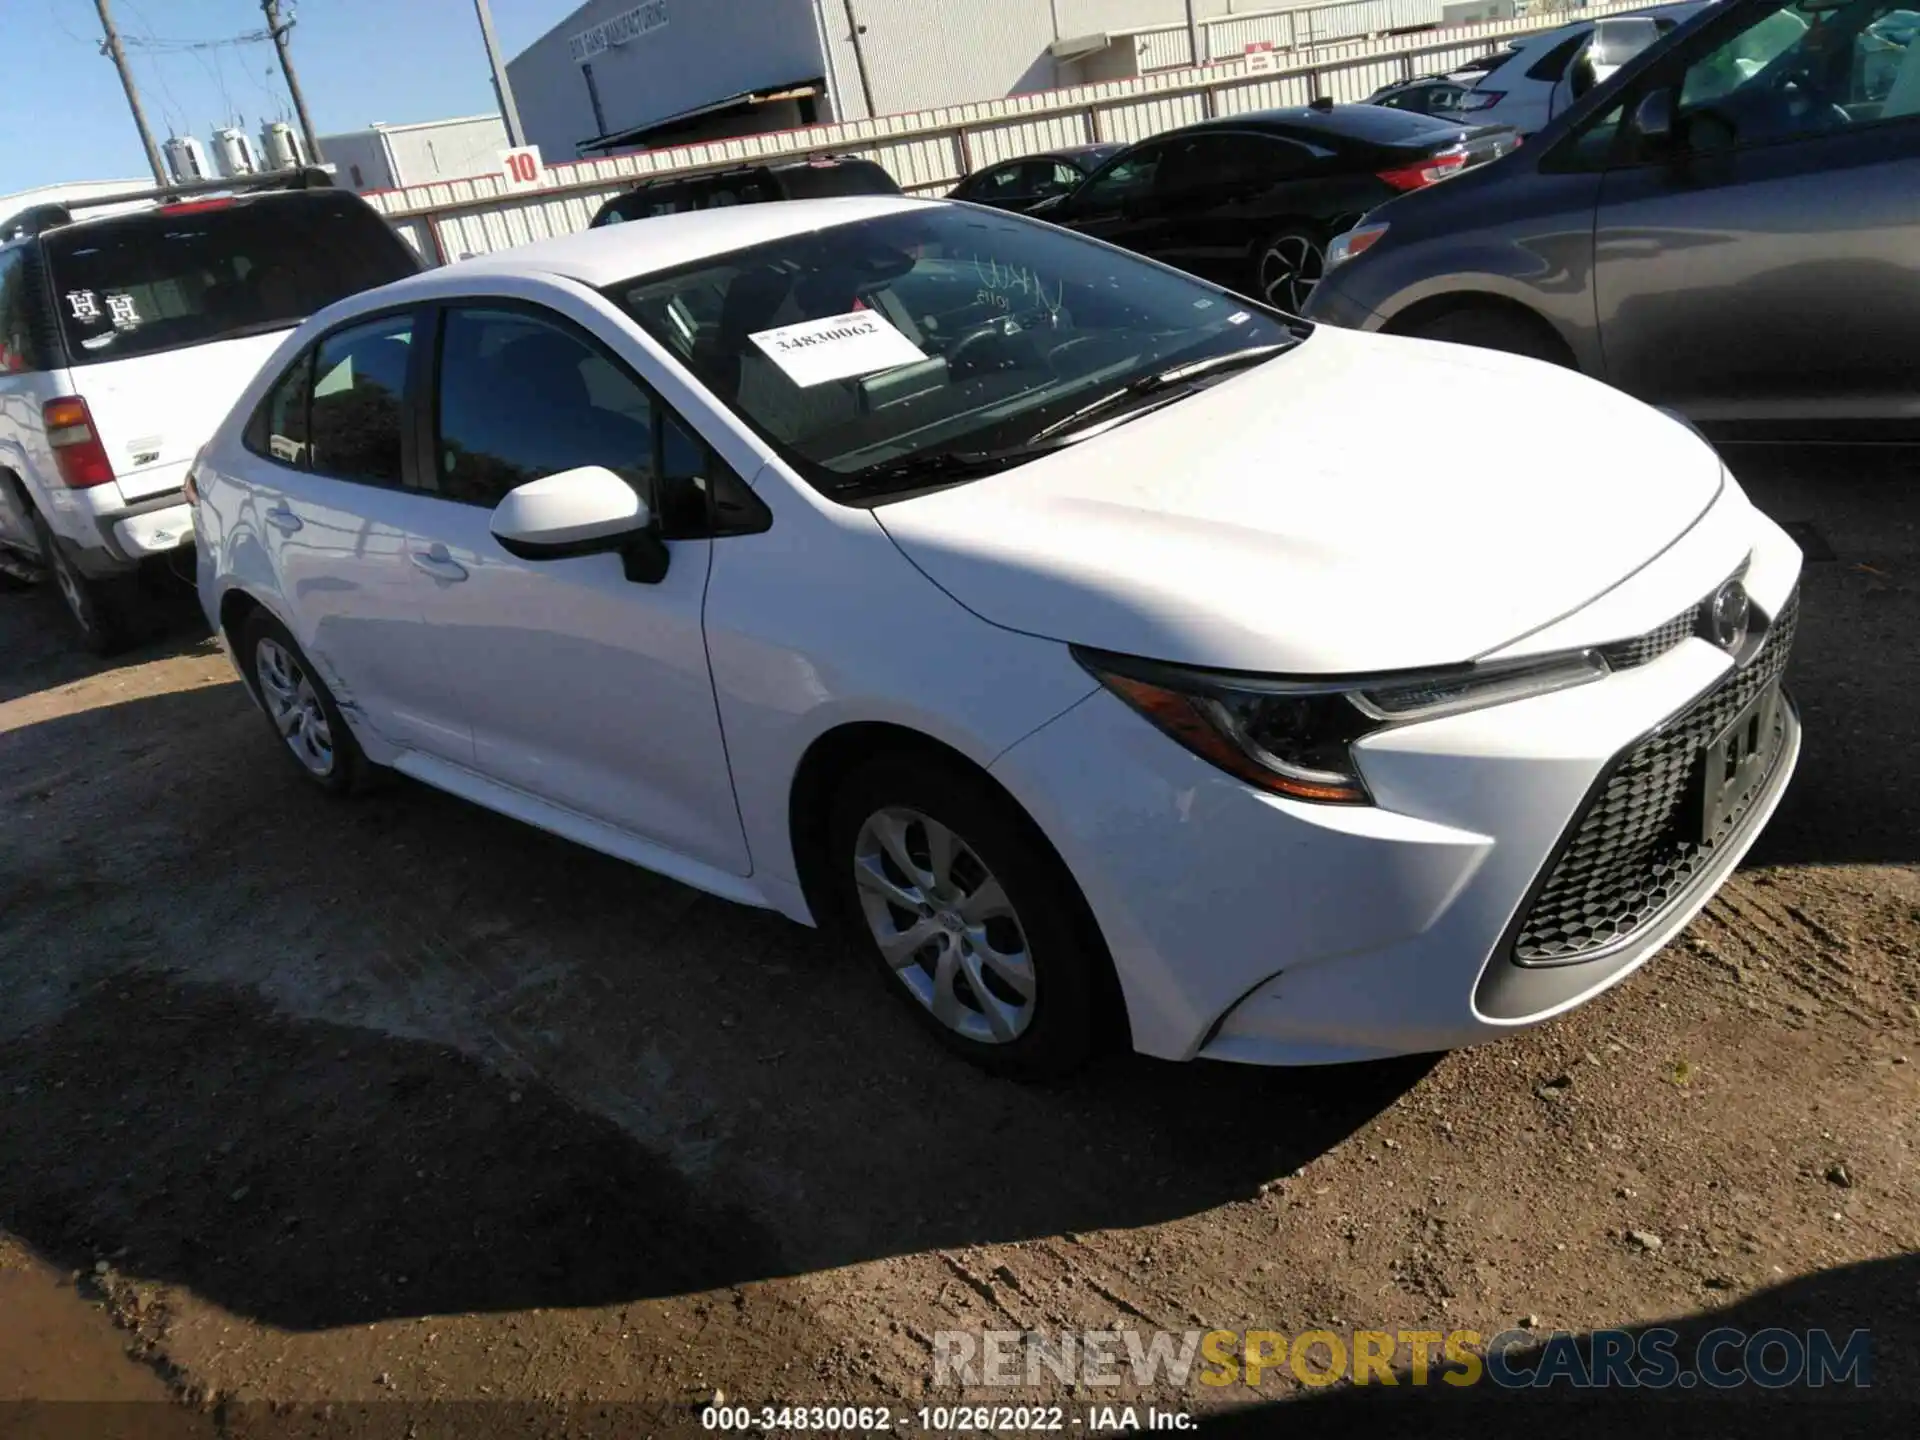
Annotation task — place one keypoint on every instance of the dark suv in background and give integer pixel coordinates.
(1729, 227)
(813, 179)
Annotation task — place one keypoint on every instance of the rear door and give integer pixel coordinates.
(1234, 190)
(1119, 203)
(1762, 268)
(169, 313)
(322, 463)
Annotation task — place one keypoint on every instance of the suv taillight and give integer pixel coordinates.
(1430, 171)
(77, 451)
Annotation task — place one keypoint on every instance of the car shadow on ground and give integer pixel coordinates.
(1881, 1297)
(313, 1175)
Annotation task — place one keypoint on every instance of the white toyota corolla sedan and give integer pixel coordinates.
(1114, 655)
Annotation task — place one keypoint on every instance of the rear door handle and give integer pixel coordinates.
(283, 519)
(435, 561)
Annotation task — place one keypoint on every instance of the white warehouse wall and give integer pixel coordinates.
(707, 51)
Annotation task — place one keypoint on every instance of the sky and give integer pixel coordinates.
(64, 117)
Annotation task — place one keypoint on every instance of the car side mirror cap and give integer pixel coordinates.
(1653, 116)
(588, 510)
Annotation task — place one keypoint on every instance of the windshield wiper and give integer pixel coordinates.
(1161, 380)
(966, 464)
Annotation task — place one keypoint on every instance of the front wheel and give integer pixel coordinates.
(1288, 269)
(973, 920)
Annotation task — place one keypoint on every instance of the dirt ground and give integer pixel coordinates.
(394, 1116)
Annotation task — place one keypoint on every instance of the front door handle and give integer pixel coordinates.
(435, 561)
(283, 519)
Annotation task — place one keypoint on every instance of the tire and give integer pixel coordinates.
(1042, 933)
(299, 708)
(1287, 266)
(1491, 329)
(99, 609)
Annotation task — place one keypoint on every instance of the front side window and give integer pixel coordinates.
(863, 350)
(521, 398)
(205, 271)
(355, 419)
(1797, 69)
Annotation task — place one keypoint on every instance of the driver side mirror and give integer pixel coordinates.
(588, 510)
(1653, 119)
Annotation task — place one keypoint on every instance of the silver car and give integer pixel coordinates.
(1729, 226)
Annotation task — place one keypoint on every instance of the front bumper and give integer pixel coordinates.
(1249, 927)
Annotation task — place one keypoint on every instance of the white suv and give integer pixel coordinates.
(125, 335)
(1536, 80)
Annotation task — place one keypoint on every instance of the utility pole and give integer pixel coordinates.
(1193, 35)
(111, 46)
(860, 56)
(278, 29)
(502, 91)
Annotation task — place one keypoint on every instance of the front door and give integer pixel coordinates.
(584, 689)
(1761, 267)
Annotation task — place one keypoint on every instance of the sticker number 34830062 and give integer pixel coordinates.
(836, 347)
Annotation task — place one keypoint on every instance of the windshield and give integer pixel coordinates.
(931, 331)
(163, 279)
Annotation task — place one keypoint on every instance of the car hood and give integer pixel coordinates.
(1361, 503)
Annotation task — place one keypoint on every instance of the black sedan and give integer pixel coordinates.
(1022, 184)
(1250, 201)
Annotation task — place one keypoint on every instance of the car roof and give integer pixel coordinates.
(1547, 39)
(614, 253)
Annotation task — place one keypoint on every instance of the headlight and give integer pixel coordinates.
(1295, 737)
(1356, 241)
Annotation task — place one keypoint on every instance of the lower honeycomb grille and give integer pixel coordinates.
(1633, 851)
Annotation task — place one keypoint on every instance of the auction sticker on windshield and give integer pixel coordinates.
(836, 348)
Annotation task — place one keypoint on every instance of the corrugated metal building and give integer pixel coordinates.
(617, 75)
(385, 157)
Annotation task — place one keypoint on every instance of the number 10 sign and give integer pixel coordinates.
(522, 168)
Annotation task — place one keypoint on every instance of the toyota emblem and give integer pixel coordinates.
(1728, 616)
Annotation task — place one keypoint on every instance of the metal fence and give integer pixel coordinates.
(927, 151)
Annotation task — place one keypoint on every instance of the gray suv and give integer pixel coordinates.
(1728, 226)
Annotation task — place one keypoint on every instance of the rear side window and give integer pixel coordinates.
(355, 429)
(19, 347)
(197, 273)
(278, 430)
(1552, 65)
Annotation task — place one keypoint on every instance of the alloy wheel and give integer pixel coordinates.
(944, 925)
(1289, 270)
(293, 704)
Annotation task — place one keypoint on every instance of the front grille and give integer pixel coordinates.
(1626, 654)
(1632, 853)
